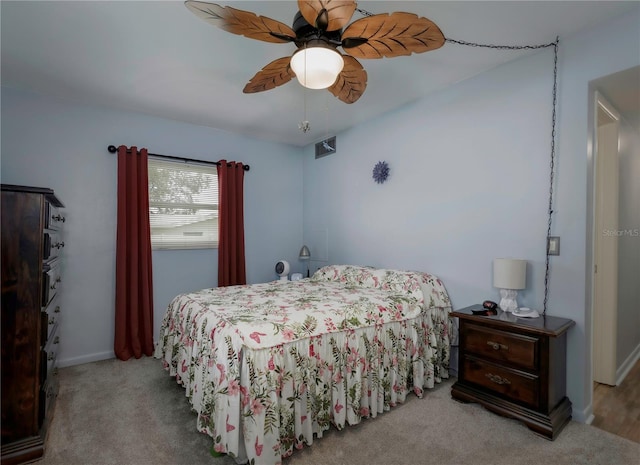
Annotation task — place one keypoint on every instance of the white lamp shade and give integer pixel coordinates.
(509, 273)
(317, 67)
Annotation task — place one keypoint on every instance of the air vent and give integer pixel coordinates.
(326, 147)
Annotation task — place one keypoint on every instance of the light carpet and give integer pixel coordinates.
(114, 412)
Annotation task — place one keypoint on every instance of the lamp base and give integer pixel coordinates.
(508, 301)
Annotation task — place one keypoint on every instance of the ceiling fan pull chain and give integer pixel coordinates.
(304, 125)
(326, 117)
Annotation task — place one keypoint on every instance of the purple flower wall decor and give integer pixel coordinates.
(381, 172)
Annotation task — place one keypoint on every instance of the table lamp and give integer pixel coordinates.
(509, 275)
(305, 255)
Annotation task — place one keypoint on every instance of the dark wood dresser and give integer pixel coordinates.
(31, 278)
(515, 367)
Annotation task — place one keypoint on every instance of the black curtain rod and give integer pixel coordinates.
(113, 149)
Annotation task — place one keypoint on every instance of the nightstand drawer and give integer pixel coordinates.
(517, 386)
(502, 346)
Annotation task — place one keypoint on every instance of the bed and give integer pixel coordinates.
(268, 367)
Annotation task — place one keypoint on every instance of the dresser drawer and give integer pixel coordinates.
(502, 346)
(53, 243)
(50, 317)
(53, 219)
(48, 394)
(49, 354)
(520, 387)
(51, 280)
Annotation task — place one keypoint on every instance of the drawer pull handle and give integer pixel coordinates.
(57, 245)
(56, 340)
(51, 356)
(52, 321)
(497, 379)
(497, 345)
(57, 310)
(53, 286)
(59, 218)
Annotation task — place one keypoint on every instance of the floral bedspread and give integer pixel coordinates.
(269, 366)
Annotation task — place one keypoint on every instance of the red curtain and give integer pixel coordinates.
(231, 264)
(134, 284)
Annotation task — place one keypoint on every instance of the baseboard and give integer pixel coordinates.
(586, 416)
(67, 362)
(627, 365)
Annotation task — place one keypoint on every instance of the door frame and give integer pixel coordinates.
(603, 301)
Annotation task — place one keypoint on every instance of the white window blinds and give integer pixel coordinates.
(183, 205)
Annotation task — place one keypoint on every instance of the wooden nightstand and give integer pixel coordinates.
(515, 367)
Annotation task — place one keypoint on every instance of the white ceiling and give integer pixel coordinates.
(157, 58)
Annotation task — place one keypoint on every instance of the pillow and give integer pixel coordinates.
(401, 282)
(425, 288)
(348, 274)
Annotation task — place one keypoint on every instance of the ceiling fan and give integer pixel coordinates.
(317, 32)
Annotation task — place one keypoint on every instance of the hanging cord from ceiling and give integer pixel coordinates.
(553, 133)
(364, 12)
(502, 47)
(553, 141)
(551, 171)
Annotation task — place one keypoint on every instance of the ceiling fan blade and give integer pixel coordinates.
(275, 74)
(391, 35)
(241, 22)
(351, 82)
(338, 13)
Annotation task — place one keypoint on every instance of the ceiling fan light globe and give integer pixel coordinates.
(317, 67)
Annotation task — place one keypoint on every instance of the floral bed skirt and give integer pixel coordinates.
(261, 404)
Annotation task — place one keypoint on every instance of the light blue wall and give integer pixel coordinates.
(469, 182)
(63, 146)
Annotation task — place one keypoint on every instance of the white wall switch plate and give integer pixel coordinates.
(553, 245)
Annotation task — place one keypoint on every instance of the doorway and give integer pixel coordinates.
(613, 252)
(605, 241)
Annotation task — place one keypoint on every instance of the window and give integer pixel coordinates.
(183, 205)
